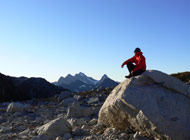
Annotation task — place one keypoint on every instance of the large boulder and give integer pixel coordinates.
(154, 103)
(55, 128)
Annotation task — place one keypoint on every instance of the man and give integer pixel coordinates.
(140, 64)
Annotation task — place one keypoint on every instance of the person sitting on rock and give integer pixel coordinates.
(140, 64)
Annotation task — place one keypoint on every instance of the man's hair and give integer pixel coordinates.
(137, 50)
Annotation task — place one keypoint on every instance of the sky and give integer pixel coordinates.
(53, 38)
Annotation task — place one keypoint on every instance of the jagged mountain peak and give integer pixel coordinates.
(80, 74)
(68, 75)
(104, 76)
(105, 81)
(80, 82)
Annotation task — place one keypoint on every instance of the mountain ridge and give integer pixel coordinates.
(81, 82)
(23, 88)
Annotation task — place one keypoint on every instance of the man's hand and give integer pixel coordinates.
(122, 66)
(132, 72)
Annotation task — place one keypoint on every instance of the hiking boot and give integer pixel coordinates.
(129, 76)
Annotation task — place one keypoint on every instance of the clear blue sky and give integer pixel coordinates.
(51, 38)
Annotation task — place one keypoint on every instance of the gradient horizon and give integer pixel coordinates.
(49, 39)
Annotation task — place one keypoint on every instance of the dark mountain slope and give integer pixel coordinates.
(14, 89)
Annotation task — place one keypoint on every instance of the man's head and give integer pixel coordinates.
(137, 50)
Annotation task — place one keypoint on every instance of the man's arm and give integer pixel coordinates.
(132, 60)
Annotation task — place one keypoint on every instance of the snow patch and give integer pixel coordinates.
(83, 86)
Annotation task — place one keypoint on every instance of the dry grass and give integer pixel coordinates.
(183, 76)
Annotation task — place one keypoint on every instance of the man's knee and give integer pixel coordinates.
(129, 64)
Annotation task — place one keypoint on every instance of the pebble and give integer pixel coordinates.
(60, 138)
(93, 121)
(67, 136)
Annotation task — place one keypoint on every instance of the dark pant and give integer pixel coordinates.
(131, 67)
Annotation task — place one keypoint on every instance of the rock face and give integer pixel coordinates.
(153, 103)
(55, 128)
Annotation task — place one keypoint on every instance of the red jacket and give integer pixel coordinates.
(139, 60)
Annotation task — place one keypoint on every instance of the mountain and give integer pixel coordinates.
(78, 86)
(14, 89)
(80, 82)
(76, 83)
(70, 79)
(105, 82)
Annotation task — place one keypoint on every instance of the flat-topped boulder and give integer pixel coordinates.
(57, 127)
(154, 103)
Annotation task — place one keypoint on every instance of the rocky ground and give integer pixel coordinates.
(72, 117)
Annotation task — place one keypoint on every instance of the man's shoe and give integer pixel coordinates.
(129, 76)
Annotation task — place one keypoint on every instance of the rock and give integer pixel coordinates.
(67, 136)
(85, 127)
(109, 131)
(168, 82)
(153, 103)
(5, 104)
(188, 83)
(2, 119)
(93, 121)
(78, 138)
(25, 132)
(64, 95)
(96, 109)
(74, 112)
(93, 100)
(60, 138)
(89, 138)
(76, 131)
(5, 129)
(78, 112)
(69, 102)
(86, 112)
(57, 127)
(42, 137)
(16, 114)
(53, 99)
(98, 129)
(124, 136)
(136, 135)
(3, 109)
(77, 122)
(17, 107)
(79, 97)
